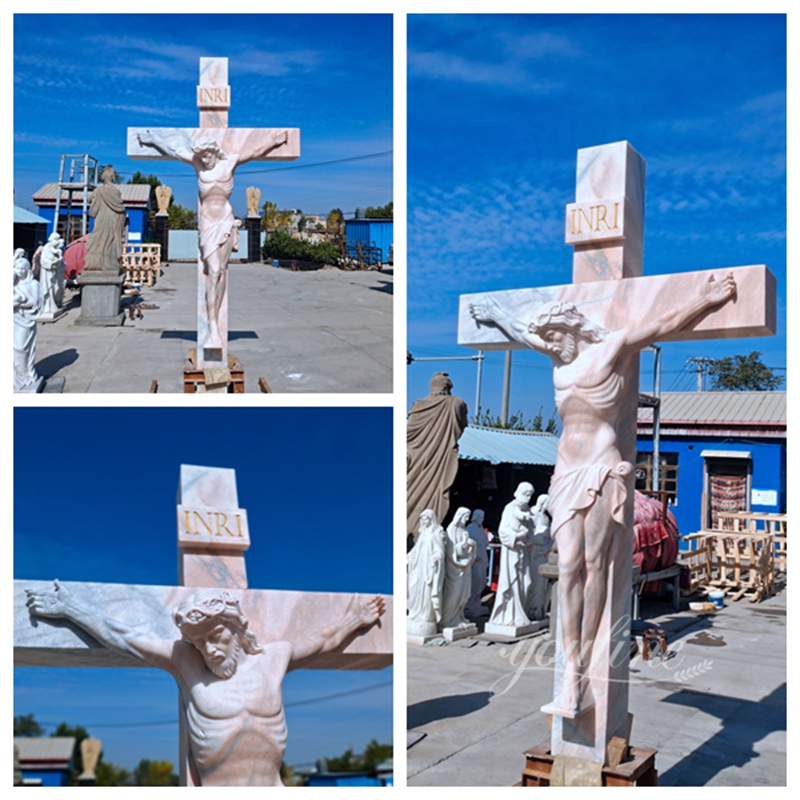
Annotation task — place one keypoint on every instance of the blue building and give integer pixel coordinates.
(719, 451)
(135, 197)
(45, 760)
(372, 232)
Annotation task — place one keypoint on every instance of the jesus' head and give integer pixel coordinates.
(212, 621)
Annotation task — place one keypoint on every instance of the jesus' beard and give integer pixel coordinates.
(227, 668)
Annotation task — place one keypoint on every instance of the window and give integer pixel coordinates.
(667, 473)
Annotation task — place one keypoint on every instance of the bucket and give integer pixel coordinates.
(716, 596)
(276, 263)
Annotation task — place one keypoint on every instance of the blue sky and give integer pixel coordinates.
(498, 105)
(80, 80)
(316, 484)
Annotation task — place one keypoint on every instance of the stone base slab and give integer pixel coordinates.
(462, 632)
(514, 631)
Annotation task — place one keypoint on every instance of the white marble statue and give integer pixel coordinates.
(480, 565)
(230, 684)
(513, 581)
(425, 566)
(591, 480)
(27, 307)
(215, 162)
(51, 274)
(460, 551)
(541, 545)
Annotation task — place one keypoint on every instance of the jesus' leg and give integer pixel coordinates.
(571, 582)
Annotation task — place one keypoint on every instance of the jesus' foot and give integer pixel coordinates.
(213, 338)
(567, 702)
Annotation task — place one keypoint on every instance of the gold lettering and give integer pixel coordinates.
(186, 521)
(223, 524)
(601, 217)
(616, 216)
(198, 516)
(239, 535)
(588, 219)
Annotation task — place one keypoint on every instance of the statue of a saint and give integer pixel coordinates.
(215, 163)
(104, 246)
(230, 684)
(27, 307)
(51, 274)
(425, 565)
(591, 481)
(513, 581)
(541, 544)
(480, 565)
(253, 196)
(163, 195)
(460, 550)
(434, 427)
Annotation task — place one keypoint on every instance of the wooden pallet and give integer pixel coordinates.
(638, 769)
(230, 380)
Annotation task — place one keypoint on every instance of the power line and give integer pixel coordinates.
(320, 699)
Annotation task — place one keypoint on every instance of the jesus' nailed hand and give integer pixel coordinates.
(230, 685)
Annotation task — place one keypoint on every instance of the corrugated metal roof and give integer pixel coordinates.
(22, 215)
(507, 447)
(48, 748)
(131, 193)
(719, 407)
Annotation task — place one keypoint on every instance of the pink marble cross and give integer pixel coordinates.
(214, 150)
(593, 330)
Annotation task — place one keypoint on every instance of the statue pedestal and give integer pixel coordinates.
(514, 631)
(51, 316)
(461, 632)
(162, 235)
(253, 226)
(101, 291)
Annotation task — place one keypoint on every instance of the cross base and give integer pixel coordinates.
(637, 769)
(228, 380)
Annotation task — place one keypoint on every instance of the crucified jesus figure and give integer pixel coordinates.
(215, 162)
(230, 685)
(591, 480)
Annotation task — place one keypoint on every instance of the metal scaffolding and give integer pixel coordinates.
(77, 174)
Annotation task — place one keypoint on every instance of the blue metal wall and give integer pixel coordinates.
(379, 232)
(768, 464)
(137, 221)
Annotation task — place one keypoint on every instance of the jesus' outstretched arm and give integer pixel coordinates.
(60, 602)
(359, 614)
(173, 144)
(487, 311)
(655, 325)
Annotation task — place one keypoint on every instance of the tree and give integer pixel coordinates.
(154, 181)
(154, 773)
(375, 753)
(742, 374)
(334, 221)
(380, 212)
(181, 218)
(79, 733)
(26, 725)
(108, 774)
(516, 422)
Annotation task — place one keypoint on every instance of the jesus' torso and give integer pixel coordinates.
(237, 726)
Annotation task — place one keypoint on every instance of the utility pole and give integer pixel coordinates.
(700, 364)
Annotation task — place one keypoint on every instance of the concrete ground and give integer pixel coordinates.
(715, 709)
(308, 331)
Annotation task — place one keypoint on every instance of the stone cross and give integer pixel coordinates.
(593, 330)
(213, 534)
(214, 150)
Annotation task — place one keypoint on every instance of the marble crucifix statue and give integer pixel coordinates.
(215, 151)
(593, 331)
(228, 647)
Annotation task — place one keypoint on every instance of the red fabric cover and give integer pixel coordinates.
(655, 546)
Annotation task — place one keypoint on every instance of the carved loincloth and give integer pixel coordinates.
(578, 490)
